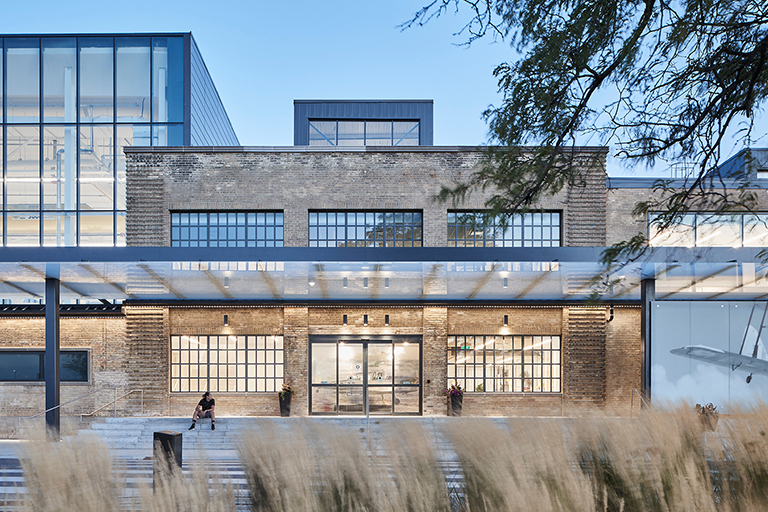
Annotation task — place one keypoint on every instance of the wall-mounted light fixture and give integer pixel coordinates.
(344, 319)
(506, 320)
(386, 319)
(226, 320)
(365, 319)
(365, 282)
(226, 282)
(344, 282)
(505, 282)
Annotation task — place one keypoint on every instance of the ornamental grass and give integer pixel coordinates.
(663, 460)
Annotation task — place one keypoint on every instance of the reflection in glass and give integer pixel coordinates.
(22, 60)
(324, 363)
(23, 167)
(168, 135)
(96, 168)
(60, 229)
(20, 366)
(96, 229)
(322, 133)
(755, 230)
(350, 363)
(167, 79)
(351, 133)
(380, 399)
(59, 79)
(405, 133)
(127, 135)
(23, 229)
(407, 363)
(380, 363)
(378, 133)
(59, 182)
(324, 399)
(350, 399)
(407, 399)
(718, 230)
(96, 80)
(132, 55)
(120, 229)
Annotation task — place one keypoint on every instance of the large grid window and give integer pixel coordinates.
(712, 230)
(242, 364)
(363, 133)
(227, 229)
(365, 229)
(471, 229)
(498, 364)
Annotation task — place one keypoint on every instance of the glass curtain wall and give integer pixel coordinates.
(68, 106)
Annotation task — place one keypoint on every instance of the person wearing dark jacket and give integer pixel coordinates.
(205, 409)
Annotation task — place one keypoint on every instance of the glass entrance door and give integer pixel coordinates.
(365, 376)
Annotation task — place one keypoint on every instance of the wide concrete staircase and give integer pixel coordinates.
(138, 433)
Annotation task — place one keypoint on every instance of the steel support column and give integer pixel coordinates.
(52, 345)
(647, 298)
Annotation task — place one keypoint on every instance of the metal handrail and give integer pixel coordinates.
(56, 407)
(115, 403)
(643, 400)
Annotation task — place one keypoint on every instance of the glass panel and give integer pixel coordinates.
(323, 363)
(59, 80)
(96, 229)
(23, 229)
(20, 366)
(59, 169)
(23, 167)
(407, 399)
(323, 399)
(2, 109)
(22, 59)
(679, 236)
(718, 230)
(755, 230)
(167, 79)
(350, 363)
(322, 133)
(60, 229)
(380, 363)
(96, 168)
(407, 363)
(74, 366)
(378, 133)
(351, 399)
(168, 135)
(405, 133)
(380, 399)
(351, 133)
(96, 79)
(132, 79)
(120, 227)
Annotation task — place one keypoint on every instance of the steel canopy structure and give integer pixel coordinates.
(442, 275)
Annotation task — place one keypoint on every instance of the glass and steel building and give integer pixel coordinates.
(69, 104)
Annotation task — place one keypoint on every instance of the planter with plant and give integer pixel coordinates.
(708, 415)
(285, 400)
(456, 395)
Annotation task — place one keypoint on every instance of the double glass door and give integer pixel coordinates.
(363, 376)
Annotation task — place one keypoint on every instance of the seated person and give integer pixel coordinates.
(205, 409)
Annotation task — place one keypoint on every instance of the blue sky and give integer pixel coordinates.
(264, 54)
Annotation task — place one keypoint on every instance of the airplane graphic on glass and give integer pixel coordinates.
(754, 361)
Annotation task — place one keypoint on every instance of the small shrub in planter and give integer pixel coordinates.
(285, 400)
(456, 394)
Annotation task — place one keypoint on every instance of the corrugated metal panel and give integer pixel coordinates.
(416, 110)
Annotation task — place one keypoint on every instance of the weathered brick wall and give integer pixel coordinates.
(105, 337)
(623, 363)
(147, 349)
(296, 325)
(435, 361)
(584, 357)
(295, 180)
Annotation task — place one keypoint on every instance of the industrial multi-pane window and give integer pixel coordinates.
(498, 364)
(363, 133)
(472, 229)
(29, 365)
(365, 229)
(242, 364)
(227, 229)
(713, 230)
